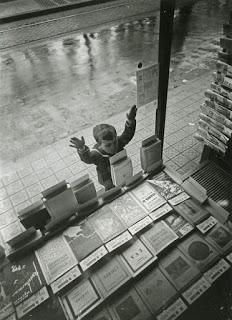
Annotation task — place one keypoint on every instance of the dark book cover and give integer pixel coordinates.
(165, 185)
(178, 224)
(23, 278)
(82, 239)
(221, 238)
(155, 290)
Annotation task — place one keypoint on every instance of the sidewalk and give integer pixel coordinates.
(22, 183)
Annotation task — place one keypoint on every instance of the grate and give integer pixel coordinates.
(217, 182)
(45, 3)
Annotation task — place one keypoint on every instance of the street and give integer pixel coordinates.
(55, 87)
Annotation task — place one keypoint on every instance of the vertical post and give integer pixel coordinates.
(167, 8)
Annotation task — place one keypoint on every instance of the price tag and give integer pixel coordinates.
(174, 311)
(178, 199)
(140, 225)
(65, 279)
(196, 290)
(118, 241)
(229, 257)
(207, 224)
(216, 271)
(32, 302)
(93, 258)
(160, 212)
(186, 229)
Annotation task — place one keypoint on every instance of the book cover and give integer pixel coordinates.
(6, 305)
(129, 306)
(23, 278)
(199, 252)
(55, 258)
(165, 185)
(82, 239)
(106, 224)
(137, 257)
(121, 171)
(179, 198)
(80, 300)
(178, 269)
(178, 224)
(191, 211)
(150, 152)
(219, 108)
(160, 212)
(146, 195)
(155, 290)
(128, 210)
(220, 237)
(110, 275)
(159, 236)
(219, 126)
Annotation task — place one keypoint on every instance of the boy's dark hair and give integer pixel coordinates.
(104, 132)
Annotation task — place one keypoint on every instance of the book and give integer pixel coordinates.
(212, 139)
(165, 185)
(129, 306)
(213, 131)
(195, 190)
(150, 153)
(84, 189)
(220, 90)
(160, 212)
(207, 224)
(82, 239)
(110, 275)
(93, 258)
(146, 195)
(6, 305)
(178, 224)
(137, 257)
(202, 137)
(216, 115)
(55, 258)
(106, 224)
(23, 278)
(159, 236)
(220, 237)
(178, 269)
(199, 252)
(155, 290)
(219, 126)
(128, 211)
(173, 311)
(223, 80)
(219, 108)
(192, 212)
(121, 168)
(80, 300)
(118, 241)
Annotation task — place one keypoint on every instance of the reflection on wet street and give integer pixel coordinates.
(52, 89)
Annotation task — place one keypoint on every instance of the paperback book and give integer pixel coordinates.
(6, 305)
(82, 239)
(178, 224)
(219, 108)
(155, 290)
(221, 238)
(137, 257)
(178, 269)
(219, 126)
(23, 278)
(159, 237)
(80, 300)
(110, 275)
(165, 185)
(55, 258)
(106, 224)
(146, 195)
(199, 252)
(130, 306)
(121, 168)
(192, 212)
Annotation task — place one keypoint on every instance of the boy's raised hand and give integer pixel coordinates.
(77, 143)
(132, 113)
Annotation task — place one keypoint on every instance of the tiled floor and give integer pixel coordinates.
(21, 184)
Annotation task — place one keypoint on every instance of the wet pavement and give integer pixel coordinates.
(55, 88)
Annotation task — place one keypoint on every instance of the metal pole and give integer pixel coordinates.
(167, 8)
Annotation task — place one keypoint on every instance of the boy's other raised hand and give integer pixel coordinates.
(132, 113)
(77, 143)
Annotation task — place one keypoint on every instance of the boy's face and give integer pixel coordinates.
(109, 146)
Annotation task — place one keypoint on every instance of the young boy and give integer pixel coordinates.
(108, 144)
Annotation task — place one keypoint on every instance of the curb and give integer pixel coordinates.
(42, 12)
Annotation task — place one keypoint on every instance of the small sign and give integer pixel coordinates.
(140, 225)
(93, 258)
(160, 212)
(118, 241)
(216, 271)
(65, 279)
(196, 290)
(32, 302)
(186, 229)
(178, 199)
(174, 311)
(207, 224)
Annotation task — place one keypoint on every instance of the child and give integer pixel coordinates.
(108, 144)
